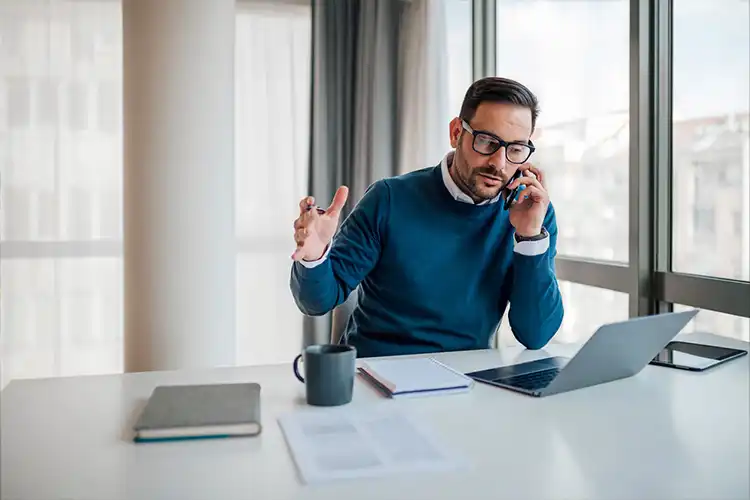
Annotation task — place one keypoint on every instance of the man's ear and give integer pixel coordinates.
(455, 130)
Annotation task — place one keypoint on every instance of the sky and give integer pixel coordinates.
(575, 54)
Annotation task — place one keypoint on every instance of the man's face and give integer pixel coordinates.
(483, 177)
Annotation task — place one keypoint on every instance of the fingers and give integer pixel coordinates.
(300, 235)
(532, 194)
(309, 213)
(297, 255)
(306, 215)
(305, 204)
(306, 212)
(526, 181)
(303, 222)
(538, 173)
(339, 200)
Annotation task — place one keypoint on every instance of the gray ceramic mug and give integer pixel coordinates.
(328, 373)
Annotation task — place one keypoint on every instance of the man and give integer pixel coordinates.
(435, 254)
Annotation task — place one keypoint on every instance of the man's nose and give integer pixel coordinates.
(498, 160)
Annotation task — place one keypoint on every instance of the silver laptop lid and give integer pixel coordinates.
(619, 350)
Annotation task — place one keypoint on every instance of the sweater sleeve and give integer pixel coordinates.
(536, 307)
(354, 252)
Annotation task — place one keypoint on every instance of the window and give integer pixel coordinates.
(61, 282)
(586, 309)
(271, 126)
(61, 158)
(704, 221)
(18, 102)
(725, 325)
(711, 131)
(574, 57)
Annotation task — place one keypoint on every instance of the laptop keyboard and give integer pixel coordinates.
(532, 381)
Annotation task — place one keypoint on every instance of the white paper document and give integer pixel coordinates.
(362, 442)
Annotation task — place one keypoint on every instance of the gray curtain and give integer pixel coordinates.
(354, 125)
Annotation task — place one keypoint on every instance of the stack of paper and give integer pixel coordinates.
(408, 377)
(346, 443)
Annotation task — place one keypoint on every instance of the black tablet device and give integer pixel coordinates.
(694, 357)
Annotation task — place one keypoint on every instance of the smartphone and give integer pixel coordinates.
(514, 193)
(694, 357)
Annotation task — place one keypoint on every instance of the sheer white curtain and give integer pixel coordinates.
(61, 182)
(272, 141)
(61, 163)
(423, 81)
(434, 73)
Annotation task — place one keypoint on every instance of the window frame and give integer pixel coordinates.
(647, 278)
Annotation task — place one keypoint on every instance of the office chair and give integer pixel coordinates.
(340, 316)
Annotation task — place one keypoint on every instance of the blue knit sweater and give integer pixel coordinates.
(434, 274)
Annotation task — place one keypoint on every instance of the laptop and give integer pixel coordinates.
(615, 351)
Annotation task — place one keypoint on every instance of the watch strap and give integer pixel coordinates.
(543, 234)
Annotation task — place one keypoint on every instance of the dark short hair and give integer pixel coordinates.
(497, 89)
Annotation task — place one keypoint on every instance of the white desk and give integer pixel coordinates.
(663, 434)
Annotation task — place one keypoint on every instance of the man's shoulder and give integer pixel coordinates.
(419, 175)
(409, 180)
(408, 183)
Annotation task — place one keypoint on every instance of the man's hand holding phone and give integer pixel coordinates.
(315, 227)
(528, 210)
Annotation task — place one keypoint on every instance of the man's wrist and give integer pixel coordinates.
(318, 258)
(315, 263)
(531, 235)
(532, 246)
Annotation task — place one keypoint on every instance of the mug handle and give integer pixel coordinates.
(295, 366)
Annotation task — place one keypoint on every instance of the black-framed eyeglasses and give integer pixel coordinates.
(487, 144)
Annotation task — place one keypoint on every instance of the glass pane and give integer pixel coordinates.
(61, 317)
(711, 135)
(586, 309)
(90, 312)
(725, 325)
(61, 165)
(574, 57)
(27, 302)
(269, 325)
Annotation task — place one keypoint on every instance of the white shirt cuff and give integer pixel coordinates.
(313, 263)
(532, 248)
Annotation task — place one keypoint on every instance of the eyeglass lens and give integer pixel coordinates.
(514, 152)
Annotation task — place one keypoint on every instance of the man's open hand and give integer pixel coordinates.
(314, 228)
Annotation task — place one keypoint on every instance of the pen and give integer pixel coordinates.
(320, 210)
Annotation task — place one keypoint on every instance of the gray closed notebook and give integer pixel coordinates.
(200, 411)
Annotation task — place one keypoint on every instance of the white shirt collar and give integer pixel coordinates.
(453, 188)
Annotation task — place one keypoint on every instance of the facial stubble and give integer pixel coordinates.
(469, 179)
